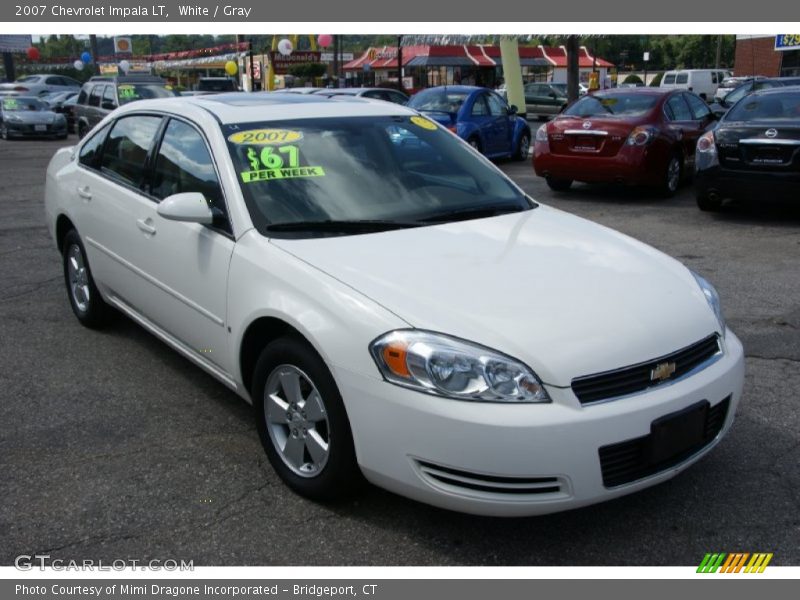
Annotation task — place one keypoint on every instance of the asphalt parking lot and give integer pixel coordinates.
(115, 447)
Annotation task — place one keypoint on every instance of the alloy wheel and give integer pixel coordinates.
(78, 278)
(673, 174)
(297, 421)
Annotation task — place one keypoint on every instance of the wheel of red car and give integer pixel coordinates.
(672, 175)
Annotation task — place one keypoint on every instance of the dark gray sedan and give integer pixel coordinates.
(25, 116)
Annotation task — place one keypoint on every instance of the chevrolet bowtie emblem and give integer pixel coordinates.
(662, 371)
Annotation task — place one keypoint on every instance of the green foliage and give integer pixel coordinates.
(633, 79)
(308, 70)
(656, 80)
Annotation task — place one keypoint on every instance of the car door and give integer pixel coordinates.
(552, 100)
(482, 120)
(110, 190)
(682, 123)
(501, 127)
(534, 99)
(186, 264)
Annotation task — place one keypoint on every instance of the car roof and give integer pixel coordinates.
(354, 91)
(240, 107)
(643, 90)
(777, 90)
(466, 89)
(127, 79)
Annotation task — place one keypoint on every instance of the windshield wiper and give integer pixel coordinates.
(347, 226)
(475, 212)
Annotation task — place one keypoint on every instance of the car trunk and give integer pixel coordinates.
(575, 136)
(760, 146)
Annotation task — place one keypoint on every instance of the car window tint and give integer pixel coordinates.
(397, 98)
(699, 108)
(126, 150)
(90, 151)
(184, 164)
(677, 109)
(53, 81)
(479, 108)
(94, 97)
(669, 79)
(82, 96)
(497, 107)
(682, 78)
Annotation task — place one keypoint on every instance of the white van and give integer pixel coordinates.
(703, 82)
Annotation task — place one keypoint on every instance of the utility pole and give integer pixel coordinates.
(93, 46)
(400, 63)
(252, 78)
(572, 68)
(719, 52)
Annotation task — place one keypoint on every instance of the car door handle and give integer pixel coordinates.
(145, 225)
(84, 192)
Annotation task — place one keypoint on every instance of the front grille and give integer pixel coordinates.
(629, 380)
(495, 484)
(630, 460)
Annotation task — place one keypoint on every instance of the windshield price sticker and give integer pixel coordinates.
(126, 91)
(265, 137)
(267, 164)
(10, 103)
(424, 123)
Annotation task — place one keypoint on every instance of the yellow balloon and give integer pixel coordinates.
(231, 67)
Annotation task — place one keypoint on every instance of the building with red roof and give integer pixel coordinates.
(475, 64)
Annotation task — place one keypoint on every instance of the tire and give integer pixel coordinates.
(558, 185)
(82, 129)
(523, 147)
(293, 430)
(673, 174)
(475, 143)
(87, 304)
(3, 132)
(707, 203)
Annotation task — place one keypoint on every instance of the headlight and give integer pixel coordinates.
(445, 366)
(14, 119)
(641, 136)
(541, 134)
(713, 300)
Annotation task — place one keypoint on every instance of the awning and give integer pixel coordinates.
(440, 61)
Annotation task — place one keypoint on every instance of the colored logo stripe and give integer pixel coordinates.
(734, 562)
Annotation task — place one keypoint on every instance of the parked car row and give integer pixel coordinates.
(657, 137)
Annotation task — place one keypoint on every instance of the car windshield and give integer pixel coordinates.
(612, 105)
(393, 171)
(438, 100)
(771, 106)
(28, 79)
(23, 105)
(128, 92)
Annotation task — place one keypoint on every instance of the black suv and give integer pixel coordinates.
(100, 95)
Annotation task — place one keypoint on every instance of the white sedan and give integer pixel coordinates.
(392, 304)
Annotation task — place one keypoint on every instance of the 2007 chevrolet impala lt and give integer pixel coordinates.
(394, 306)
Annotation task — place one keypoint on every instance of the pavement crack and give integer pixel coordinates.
(36, 287)
(760, 357)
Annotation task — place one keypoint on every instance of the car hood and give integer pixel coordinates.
(36, 117)
(564, 295)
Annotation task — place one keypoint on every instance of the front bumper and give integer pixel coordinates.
(26, 130)
(746, 184)
(465, 456)
(632, 165)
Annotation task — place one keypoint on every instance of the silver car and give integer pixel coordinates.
(39, 85)
(25, 116)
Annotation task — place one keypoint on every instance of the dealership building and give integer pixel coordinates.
(769, 55)
(431, 65)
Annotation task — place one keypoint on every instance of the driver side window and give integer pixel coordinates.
(479, 109)
(497, 108)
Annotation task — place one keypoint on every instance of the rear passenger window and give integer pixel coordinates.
(90, 151)
(682, 78)
(184, 164)
(669, 79)
(83, 96)
(126, 150)
(677, 109)
(699, 108)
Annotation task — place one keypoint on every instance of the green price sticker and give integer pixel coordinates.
(10, 103)
(268, 163)
(127, 91)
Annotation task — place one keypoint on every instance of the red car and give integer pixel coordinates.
(638, 136)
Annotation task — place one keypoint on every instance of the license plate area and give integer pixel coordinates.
(40, 127)
(678, 433)
(585, 143)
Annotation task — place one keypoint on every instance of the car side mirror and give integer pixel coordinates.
(512, 110)
(188, 207)
(107, 105)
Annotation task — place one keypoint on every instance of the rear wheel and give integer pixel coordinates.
(302, 421)
(90, 309)
(475, 143)
(672, 176)
(558, 185)
(524, 146)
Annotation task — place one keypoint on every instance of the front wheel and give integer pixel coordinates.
(90, 309)
(302, 421)
(523, 148)
(3, 132)
(709, 203)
